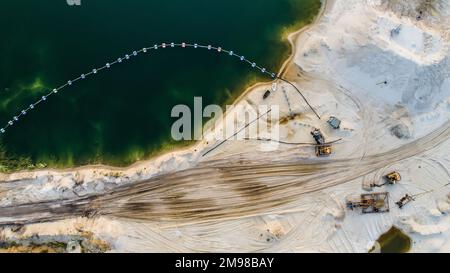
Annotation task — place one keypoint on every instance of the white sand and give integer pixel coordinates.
(341, 60)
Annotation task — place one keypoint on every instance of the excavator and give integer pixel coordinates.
(322, 149)
(391, 178)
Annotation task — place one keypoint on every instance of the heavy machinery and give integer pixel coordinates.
(370, 203)
(393, 178)
(323, 150)
(318, 136)
(404, 200)
(409, 198)
(334, 122)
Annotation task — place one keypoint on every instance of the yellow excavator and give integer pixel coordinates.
(393, 178)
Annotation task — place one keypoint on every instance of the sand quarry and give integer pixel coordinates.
(381, 66)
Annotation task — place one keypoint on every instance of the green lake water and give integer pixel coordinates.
(394, 241)
(123, 115)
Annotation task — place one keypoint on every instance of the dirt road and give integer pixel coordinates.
(218, 189)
